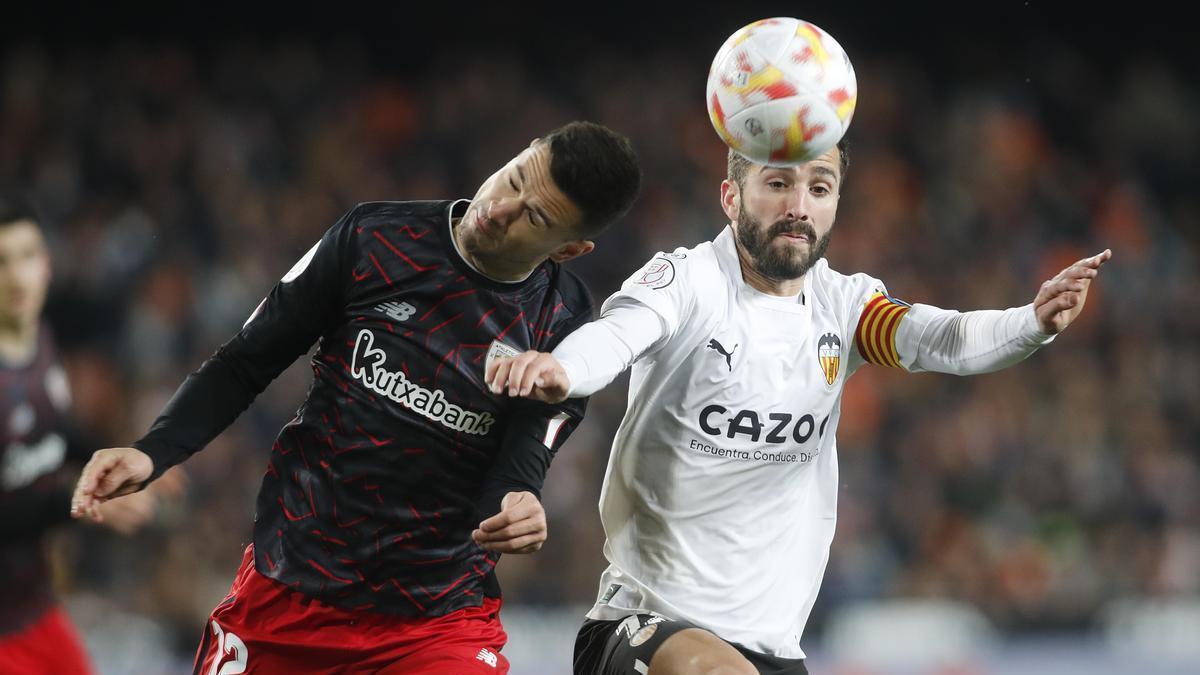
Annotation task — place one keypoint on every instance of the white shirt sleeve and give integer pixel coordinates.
(967, 343)
(597, 352)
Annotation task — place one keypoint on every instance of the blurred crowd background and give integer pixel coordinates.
(182, 170)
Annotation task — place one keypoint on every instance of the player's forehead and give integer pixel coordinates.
(18, 234)
(533, 167)
(827, 165)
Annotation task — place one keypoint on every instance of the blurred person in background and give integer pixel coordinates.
(369, 553)
(40, 454)
(719, 503)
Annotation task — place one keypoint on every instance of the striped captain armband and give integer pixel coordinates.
(876, 333)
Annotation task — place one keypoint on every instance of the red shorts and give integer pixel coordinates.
(263, 627)
(49, 646)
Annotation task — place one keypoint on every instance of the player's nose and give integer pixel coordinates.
(505, 211)
(797, 205)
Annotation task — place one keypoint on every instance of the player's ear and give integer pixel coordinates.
(731, 199)
(534, 142)
(571, 250)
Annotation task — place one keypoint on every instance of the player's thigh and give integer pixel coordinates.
(458, 659)
(696, 650)
(644, 644)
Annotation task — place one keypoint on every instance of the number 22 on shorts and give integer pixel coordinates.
(228, 644)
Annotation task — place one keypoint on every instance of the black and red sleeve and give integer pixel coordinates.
(304, 305)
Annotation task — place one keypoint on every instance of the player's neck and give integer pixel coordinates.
(18, 341)
(759, 282)
(494, 268)
(499, 270)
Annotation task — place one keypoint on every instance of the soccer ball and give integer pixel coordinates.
(781, 92)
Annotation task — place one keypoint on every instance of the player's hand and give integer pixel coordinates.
(520, 527)
(1061, 299)
(126, 515)
(111, 473)
(535, 375)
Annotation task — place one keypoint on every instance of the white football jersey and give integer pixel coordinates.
(720, 498)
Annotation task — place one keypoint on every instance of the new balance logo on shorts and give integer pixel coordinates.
(487, 656)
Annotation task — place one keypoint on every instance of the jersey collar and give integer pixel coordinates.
(727, 257)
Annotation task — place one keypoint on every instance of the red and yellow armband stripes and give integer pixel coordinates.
(876, 333)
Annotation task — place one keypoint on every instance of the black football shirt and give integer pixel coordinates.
(400, 448)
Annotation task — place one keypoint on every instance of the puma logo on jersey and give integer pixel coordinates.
(399, 311)
(720, 349)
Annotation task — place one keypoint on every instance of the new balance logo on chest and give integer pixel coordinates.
(399, 311)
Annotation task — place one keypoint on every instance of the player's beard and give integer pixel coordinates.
(779, 262)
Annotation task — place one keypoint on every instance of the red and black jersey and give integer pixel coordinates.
(35, 488)
(400, 448)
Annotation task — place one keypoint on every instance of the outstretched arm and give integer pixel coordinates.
(586, 361)
(287, 322)
(968, 343)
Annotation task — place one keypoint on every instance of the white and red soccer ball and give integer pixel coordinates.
(781, 91)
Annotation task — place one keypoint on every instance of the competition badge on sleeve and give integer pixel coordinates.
(658, 273)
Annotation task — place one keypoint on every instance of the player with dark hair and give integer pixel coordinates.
(388, 499)
(39, 456)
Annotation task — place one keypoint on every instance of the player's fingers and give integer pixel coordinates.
(1078, 271)
(86, 484)
(519, 365)
(1062, 303)
(1097, 260)
(499, 377)
(92, 512)
(551, 386)
(84, 501)
(496, 522)
(1066, 285)
(535, 372)
(549, 374)
(489, 370)
(509, 533)
(111, 483)
(81, 499)
(526, 544)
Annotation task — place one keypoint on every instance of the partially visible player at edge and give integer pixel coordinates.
(374, 494)
(720, 498)
(39, 457)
